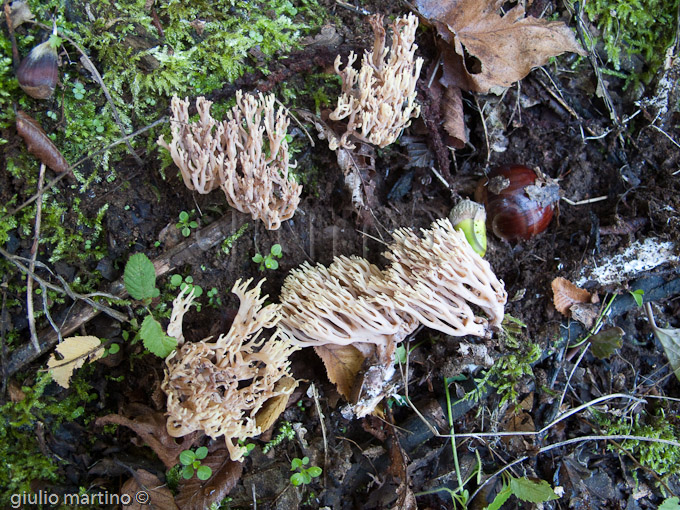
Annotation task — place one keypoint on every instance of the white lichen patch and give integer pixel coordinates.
(634, 260)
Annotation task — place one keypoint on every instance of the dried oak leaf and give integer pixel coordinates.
(342, 363)
(154, 494)
(490, 50)
(566, 294)
(150, 426)
(445, 107)
(195, 494)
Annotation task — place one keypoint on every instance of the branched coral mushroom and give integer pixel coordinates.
(336, 305)
(234, 387)
(436, 280)
(438, 277)
(378, 101)
(246, 155)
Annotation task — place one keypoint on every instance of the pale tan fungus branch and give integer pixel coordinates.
(246, 155)
(378, 101)
(232, 386)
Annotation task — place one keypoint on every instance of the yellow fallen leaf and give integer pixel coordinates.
(75, 351)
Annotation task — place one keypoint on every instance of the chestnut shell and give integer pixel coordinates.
(38, 73)
(511, 214)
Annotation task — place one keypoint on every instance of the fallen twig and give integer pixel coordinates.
(12, 38)
(31, 264)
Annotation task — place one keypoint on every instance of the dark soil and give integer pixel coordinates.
(634, 168)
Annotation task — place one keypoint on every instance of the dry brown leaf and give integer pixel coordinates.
(195, 494)
(566, 294)
(519, 419)
(342, 363)
(454, 120)
(150, 426)
(146, 492)
(39, 144)
(488, 50)
(272, 408)
(75, 351)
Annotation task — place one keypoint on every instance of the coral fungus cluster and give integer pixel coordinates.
(246, 155)
(436, 280)
(236, 386)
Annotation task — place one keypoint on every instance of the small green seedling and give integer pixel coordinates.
(186, 223)
(214, 298)
(79, 90)
(111, 349)
(176, 281)
(192, 462)
(269, 261)
(304, 475)
(637, 296)
(246, 448)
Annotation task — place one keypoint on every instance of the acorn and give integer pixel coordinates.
(38, 73)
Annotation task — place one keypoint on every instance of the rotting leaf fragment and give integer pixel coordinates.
(75, 351)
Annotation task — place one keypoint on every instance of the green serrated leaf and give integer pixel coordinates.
(606, 342)
(187, 457)
(201, 453)
(533, 491)
(203, 472)
(257, 258)
(276, 250)
(140, 277)
(155, 340)
(314, 471)
(175, 280)
(670, 504)
(295, 464)
(500, 498)
(183, 216)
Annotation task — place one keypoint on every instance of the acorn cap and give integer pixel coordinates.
(38, 73)
(470, 218)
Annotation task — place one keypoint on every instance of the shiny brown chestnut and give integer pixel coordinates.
(519, 202)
